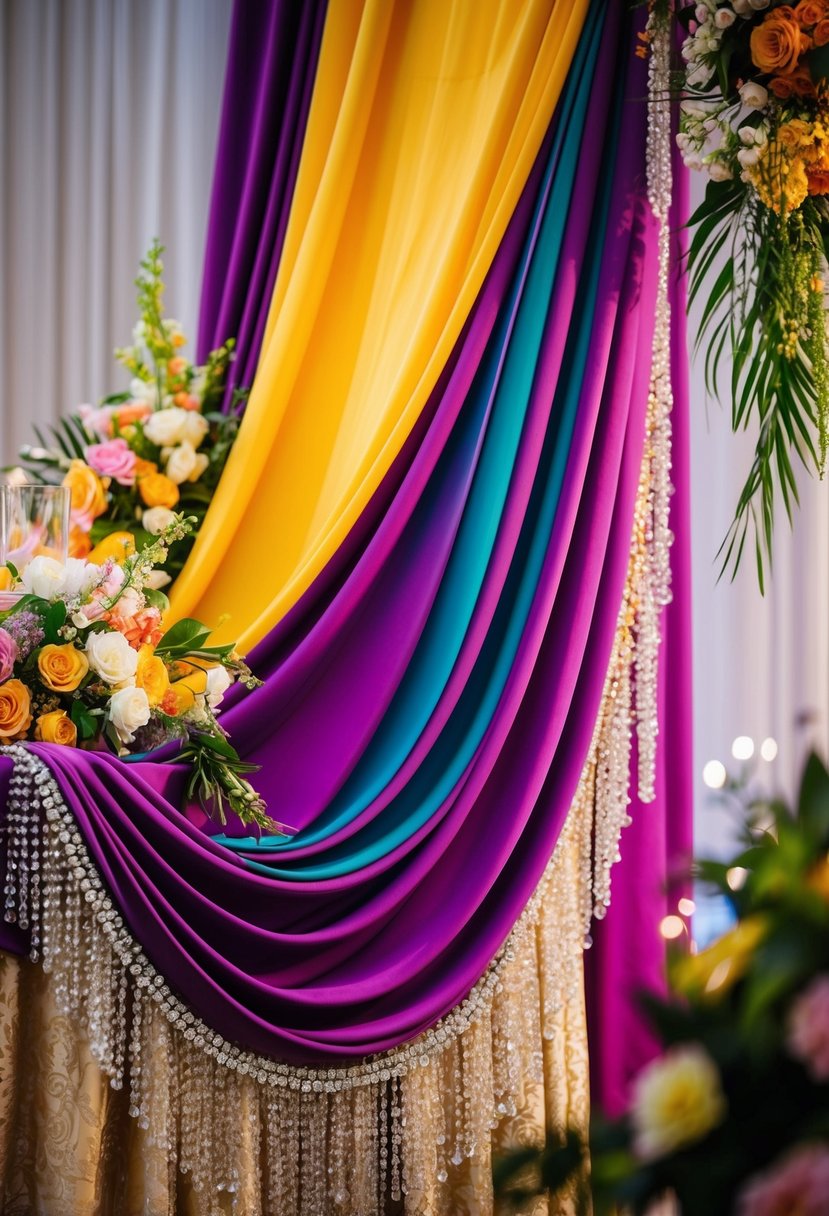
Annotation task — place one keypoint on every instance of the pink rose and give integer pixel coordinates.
(115, 459)
(798, 1182)
(808, 1030)
(8, 655)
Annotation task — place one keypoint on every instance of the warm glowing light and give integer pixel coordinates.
(671, 926)
(742, 748)
(719, 975)
(736, 877)
(714, 775)
(687, 907)
(768, 749)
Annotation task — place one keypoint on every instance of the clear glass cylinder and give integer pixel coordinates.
(34, 522)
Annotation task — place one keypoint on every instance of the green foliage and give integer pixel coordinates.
(762, 309)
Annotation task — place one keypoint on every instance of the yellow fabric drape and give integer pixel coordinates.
(425, 121)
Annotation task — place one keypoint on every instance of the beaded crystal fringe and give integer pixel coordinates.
(406, 1123)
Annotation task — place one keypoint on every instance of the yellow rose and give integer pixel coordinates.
(118, 545)
(62, 667)
(778, 43)
(780, 178)
(6, 579)
(713, 971)
(677, 1100)
(151, 675)
(794, 134)
(86, 490)
(15, 710)
(56, 727)
(158, 490)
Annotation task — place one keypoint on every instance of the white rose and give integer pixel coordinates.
(181, 463)
(741, 7)
(111, 657)
(194, 427)
(692, 160)
(759, 5)
(156, 519)
(219, 681)
(724, 17)
(694, 108)
(157, 579)
(128, 709)
(165, 427)
(754, 95)
(748, 157)
(718, 171)
(44, 577)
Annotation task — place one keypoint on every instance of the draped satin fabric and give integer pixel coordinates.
(424, 124)
(271, 67)
(429, 702)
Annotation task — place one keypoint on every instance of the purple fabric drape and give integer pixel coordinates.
(272, 59)
(628, 957)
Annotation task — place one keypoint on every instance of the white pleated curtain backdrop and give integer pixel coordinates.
(761, 663)
(109, 114)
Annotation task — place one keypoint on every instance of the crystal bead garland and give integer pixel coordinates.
(652, 534)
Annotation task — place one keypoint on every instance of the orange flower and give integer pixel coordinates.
(802, 83)
(177, 700)
(810, 12)
(62, 667)
(158, 490)
(143, 629)
(144, 468)
(133, 411)
(56, 727)
(818, 179)
(15, 710)
(176, 366)
(6, 579)
(821, 32)
(778, 43)
(79, 543)
(87, 493)
(185, 402)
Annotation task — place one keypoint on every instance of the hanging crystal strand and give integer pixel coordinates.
(654, 590)
(612, 775)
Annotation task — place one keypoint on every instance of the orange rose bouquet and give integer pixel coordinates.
(85, 661)
(141, 454)
(754, 116)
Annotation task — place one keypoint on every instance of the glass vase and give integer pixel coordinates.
(34, 522)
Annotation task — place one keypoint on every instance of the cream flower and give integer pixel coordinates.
(677, 1100)
(128, 709)
(166, 427)
(44, 576)
(754, 95)
(111, 657)
(219, 681)
(156, 519)
(184, 464)
(194, 427)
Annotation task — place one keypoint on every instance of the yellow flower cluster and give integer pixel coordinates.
(793, 164)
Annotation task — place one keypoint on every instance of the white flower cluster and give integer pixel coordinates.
(709, 136)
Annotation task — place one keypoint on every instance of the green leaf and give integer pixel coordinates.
(52, 622)
(85, 722)
(185, 636)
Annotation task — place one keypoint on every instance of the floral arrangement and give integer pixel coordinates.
(158, 447)
(755, 117)
(733, 1116)
(85, 661)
